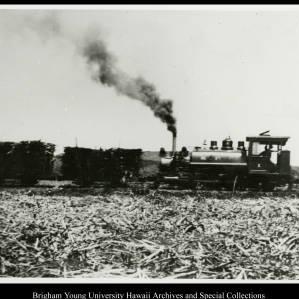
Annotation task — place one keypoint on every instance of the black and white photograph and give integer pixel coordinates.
(156, 142)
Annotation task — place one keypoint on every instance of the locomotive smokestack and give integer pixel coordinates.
(173, 143)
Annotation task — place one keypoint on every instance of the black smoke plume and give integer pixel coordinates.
(107, 72)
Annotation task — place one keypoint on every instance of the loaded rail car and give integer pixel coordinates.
(263, 164)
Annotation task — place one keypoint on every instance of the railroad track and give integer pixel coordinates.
(148, 188)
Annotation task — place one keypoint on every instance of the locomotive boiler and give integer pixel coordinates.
(263, 163)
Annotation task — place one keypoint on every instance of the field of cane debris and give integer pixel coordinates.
(160, 234)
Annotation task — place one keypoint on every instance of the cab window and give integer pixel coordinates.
(257, 148)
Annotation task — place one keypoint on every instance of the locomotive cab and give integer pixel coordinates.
(265, 155)
(266, 159)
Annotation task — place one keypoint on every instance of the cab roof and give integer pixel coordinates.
(282, 140)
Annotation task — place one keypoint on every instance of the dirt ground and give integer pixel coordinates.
(158, 234)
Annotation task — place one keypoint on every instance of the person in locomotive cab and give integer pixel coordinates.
(267, 155)
(267, 152)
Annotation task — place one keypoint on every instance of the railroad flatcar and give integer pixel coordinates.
(262, 163)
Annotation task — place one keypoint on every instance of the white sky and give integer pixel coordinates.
(228, 72)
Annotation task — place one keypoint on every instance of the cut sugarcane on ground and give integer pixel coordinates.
(162, 234)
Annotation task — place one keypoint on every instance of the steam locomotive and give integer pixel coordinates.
(262, 164)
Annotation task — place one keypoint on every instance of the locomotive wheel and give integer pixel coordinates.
(268, 186)
(191, 184)
(157, 183)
